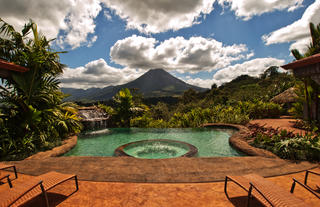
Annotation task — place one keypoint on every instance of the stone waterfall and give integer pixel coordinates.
(93, 118)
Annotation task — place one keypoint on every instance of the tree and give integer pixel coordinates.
(160, 111)
(214, 86)
(123, 108)
(32, 112)
(314, 46)
(270, 72)
(189, 95)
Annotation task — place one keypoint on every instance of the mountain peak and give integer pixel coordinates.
(154, 83)
(157, 71)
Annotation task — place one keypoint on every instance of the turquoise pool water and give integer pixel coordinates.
(156, 149)
(210, 142)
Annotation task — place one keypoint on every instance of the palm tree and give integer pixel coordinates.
(124, 105)
(313, 48)
(33, 114)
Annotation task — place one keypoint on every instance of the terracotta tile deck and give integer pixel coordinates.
(285, 123)
(158, 195)
(177, 170)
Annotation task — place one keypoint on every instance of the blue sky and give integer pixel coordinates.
(111, 42)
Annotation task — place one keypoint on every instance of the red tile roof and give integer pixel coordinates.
(4, 65)
(303, 62)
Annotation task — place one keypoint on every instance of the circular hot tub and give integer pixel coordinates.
(157, 149)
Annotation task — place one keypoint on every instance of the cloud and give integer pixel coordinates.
(246, 9)
(107, 15)
(49, 15)
(204, 83)
(154, 16)
(185, 55)
(93, 40)
(80, 22)
(72, 19)
(97, 74)
(297, 32)
(253, 68)
(72, 22)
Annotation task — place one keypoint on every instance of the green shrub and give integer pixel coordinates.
(260, 109)
(286, 144)
(298, 148)
(194, 118)
(108, 109)
(146, 121)
(141, 121)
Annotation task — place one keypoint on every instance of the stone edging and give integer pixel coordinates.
(67, 145)
(238, 140)
(191, 152)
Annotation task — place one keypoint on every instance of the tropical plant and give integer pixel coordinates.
(123, 108)
(314, 46)
(160, 111)
(32, 113)
(286, 145)
(108, 109)
(260, 109)
(297, 107)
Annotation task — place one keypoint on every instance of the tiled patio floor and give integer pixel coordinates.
(118, 194)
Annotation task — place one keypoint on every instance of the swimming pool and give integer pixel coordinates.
(209, 142)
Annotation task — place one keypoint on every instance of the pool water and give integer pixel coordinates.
(210, 142)
(158, 149)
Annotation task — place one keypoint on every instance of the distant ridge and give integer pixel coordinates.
(154, 83)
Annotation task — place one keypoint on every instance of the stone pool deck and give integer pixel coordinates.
(119, 194)
(177, 170)
(111, 194)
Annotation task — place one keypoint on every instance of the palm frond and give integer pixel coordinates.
(296, 54)
(7, 29)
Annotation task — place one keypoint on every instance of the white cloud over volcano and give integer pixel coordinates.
(185, 55)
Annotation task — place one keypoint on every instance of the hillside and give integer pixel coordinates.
(154, 83)
(246, 88)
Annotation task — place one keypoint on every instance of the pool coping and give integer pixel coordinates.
(192, 150)
(174, 170)
(66, 146)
